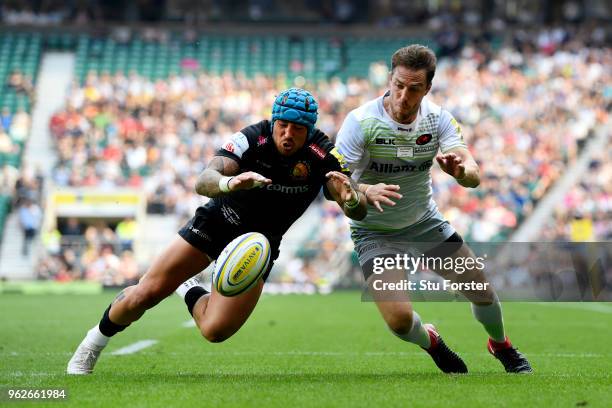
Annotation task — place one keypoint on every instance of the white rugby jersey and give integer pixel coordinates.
(380, 150)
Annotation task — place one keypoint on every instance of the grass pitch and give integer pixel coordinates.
(306, 351)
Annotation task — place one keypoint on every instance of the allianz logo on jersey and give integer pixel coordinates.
(288, 189)
(400, 168)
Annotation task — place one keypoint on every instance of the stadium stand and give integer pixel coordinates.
(149, 105)
(584, 212)
(19, 60)
(157, 126)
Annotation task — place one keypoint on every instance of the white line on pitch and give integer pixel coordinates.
(22, 374)
(134, 347)
(189, 323)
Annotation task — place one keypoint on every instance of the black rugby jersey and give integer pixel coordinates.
(296, 179)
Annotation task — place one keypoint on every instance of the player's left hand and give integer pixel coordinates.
(451, 164)
(342, 184)
(247, 181)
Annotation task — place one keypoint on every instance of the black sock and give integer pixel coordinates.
(192, 296)
(107, 327)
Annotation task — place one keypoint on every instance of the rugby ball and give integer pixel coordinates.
(241, 264)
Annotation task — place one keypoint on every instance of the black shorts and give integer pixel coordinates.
(210, 233)
(446, 248)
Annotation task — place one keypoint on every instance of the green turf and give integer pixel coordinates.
(307, 351)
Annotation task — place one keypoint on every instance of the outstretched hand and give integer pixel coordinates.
(382, 193)
(342, 184)
(451, 164)
(248, 180)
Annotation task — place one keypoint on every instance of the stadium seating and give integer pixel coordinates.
(315, 58)
(19, 55)
(5, 206)
(18, 52)
(490, 213)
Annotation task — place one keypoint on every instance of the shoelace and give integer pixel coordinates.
(513, 355)
(448, 352)
(87, 359)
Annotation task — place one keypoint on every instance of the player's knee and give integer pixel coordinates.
(214, 334)
(484, 298)
(215, 337)
(400, 323)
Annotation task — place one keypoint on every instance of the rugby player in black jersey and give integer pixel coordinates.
(262, 180)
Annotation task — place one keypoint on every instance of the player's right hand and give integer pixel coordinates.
(382, 193)
(247, 181)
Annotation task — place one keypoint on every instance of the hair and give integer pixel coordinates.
(415, 57)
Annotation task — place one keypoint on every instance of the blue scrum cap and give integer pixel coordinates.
(296, 105)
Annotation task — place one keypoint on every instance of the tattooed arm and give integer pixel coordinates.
(221, 177)
(208, 181)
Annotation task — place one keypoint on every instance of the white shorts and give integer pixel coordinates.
(414, 240)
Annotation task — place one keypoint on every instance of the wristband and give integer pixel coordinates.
(224, 184)
(354, 203)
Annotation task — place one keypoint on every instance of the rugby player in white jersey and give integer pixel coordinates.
(390, 144)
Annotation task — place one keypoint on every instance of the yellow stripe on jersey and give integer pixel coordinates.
(343, 164)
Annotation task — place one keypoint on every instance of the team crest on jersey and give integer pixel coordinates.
(300, 171)
(261, 140)
(334, 152)
(229, 146)
(424, 139)
(317, 150)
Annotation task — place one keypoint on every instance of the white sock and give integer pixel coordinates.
(95, 337)
(417, 334)
(185, 286)
(490, 316)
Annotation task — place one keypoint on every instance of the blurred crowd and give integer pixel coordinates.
(23, 184)
(95, 251)
(525, 116)
(15, 126)
(585, 213)
(14, 129)
(528, 117)
(387, 13)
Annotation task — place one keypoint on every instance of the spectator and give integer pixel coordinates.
(52, 240)
(6, 119)
(8, 179)
(126, 233)
(6, 144)
(30, 218)
(128, 269)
